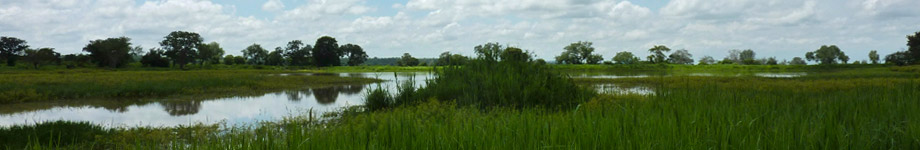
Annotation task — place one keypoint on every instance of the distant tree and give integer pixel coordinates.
(228, 60)
(275, 58)
(514, 54)
(155, 58)
(239, 60)
(326, 52)
(356, 55)
(10, 48)
(255, 54)
(726, 61)
(580, 52)
(298, 53)
(40, 56)
(681, 57)
(407, 60)
(181, 47)
(771, 61)
(626, 58)
(111, 52)
(447, 59)
(873, 55)
(658, 56)
(75, 60)
(707, 60)
(797, 61)
(748, 57)
(900, 58)
(827, 55)
(540, 61)
(136, 53)
(490, 52)
(210, 53)
(913, 48)
(734, 56)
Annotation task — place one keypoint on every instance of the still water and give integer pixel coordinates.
(232, 110)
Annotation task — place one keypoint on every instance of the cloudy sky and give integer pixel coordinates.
(426, 28)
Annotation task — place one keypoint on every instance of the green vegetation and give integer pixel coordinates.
(24, 86)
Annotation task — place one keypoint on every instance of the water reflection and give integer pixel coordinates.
(181, 108)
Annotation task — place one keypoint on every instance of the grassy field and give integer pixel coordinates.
(859, 107)
(44, 85)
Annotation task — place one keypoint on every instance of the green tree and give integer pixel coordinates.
(10, 48)
(181, 47)
(356, 55)
(900, 58)
(707, 60)
(913, 48)
(326, 52)
(276, 57)
(255, 54)
(155, 58)
(873, 56)
(658, 56)
(748, 57)
(40, 56)
(681, 57)
(111, 52)
(827, 55)
(490, 51)
(626, 58)
(447, 59)
(210, 53)
(239, 60)
(580, 52)
(734, 56)
(228, 60)
(407, 60)
(298, 53)
(771, 61)
(514, 54)
(797, 61)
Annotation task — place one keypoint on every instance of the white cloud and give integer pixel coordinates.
(273, 5)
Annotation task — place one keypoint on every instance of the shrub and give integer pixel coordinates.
(53, 134)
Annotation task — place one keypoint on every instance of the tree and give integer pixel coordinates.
(873, 55)
(10, 48)
(155, 58)
(913, 48)
(827, 55)
(239, 60)
(298, 53)
(899, 58)
(681, 57)
(734, 56)
(490, 51)
(747, 57)
(625, 58)
(407, 60)
(111, 52)
(771, 61)
(797, 61)
(658, 56)
(447, 59)
(326, 52)
(356, 55)
(255, 54)
(579, 53)
(514, 54)
(228, 60)
(181, 47)
(40, 56)
(707, 60)
(210, 53)
(275, 58)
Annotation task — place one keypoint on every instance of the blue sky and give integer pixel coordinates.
(426, 28)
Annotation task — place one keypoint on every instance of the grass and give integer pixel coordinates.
(27, 86)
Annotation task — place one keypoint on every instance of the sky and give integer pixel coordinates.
(426, 28)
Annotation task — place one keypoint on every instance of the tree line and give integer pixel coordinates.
(181, 48)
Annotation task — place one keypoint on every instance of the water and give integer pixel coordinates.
(617, 89)
(232, 110)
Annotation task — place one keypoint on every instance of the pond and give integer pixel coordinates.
(232, 110)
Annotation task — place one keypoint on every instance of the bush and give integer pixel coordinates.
(378, 99)
(53, 134)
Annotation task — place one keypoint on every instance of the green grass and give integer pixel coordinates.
(26, 86)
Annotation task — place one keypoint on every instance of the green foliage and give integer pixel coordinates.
(229, 60)
(10, 48)
(681, 57)
(111, 52)
(183, 47)
(771, 61)
(913, 47)
(356, 55)
(407, 60)
(707, 60)
(514, 54)
(873, 56)
(748, 57)
(900, 58)
(51, 134)
(275, 58)
(210, 53)
(797, 61)
(827, 55)
(488, 51)
(626, 58)
(579, 53)
(658, 56)
(154, 58)
(41, 56)
(326, 52)
(255, 55)
(446, 59)
(298, 53)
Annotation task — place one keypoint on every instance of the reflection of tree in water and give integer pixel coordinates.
(328, 95)
(181, 108)
(297, 95)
